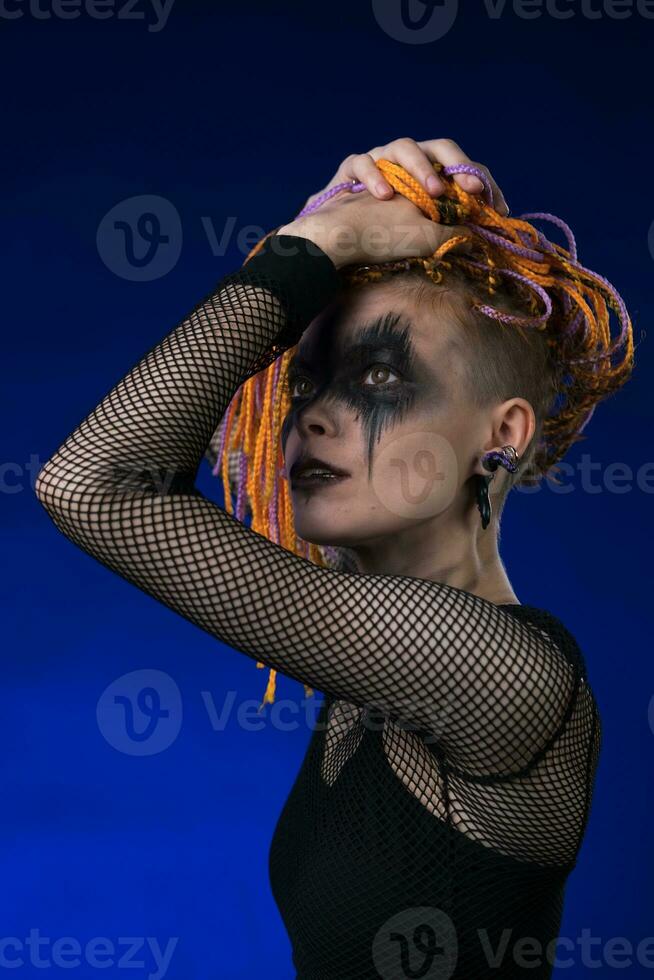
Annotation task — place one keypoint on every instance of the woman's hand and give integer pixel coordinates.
(357, 229)
(377, 225)
(417, 158)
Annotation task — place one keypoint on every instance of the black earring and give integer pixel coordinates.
(483, 499)
(506, 457)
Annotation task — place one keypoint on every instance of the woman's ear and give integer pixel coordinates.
(514, 424)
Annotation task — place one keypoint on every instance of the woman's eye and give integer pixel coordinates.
(292, 385)
(380, 373)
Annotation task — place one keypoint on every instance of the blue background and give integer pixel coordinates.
(240, 113)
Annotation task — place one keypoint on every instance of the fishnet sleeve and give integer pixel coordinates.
(492, 691)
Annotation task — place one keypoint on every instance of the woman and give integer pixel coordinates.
(444, 795)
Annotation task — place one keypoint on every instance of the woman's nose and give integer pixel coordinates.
(317, 417)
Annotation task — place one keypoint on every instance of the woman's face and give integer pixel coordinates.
(379, 390)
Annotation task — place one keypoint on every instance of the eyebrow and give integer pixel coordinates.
(391, 331)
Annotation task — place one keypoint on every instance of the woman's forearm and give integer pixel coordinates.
(150, 433)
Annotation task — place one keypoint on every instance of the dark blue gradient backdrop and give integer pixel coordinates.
(219, 122)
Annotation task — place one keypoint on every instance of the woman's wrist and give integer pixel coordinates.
(320, 236)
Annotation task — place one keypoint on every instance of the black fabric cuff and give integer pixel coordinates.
(299, 273)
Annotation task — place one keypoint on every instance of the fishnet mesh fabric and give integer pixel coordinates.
(453, 761)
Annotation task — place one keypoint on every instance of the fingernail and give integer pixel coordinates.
(382, 187)
(475, 184)
(433, 184)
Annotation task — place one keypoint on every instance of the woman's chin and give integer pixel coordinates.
(319, 529)
(316, 533)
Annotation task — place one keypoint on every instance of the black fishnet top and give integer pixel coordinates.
(445, 791)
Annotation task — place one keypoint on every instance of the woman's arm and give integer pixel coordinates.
(490, 689)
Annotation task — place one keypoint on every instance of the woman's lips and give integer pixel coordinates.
(302, 482)
(304, 464)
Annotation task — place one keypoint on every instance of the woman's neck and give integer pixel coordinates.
(458, 554)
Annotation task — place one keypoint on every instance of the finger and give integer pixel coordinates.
(499, 201)
(362, 167)
(418, 158)
(449, 153)
(408, 154)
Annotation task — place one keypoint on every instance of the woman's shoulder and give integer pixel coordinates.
(548, 622)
